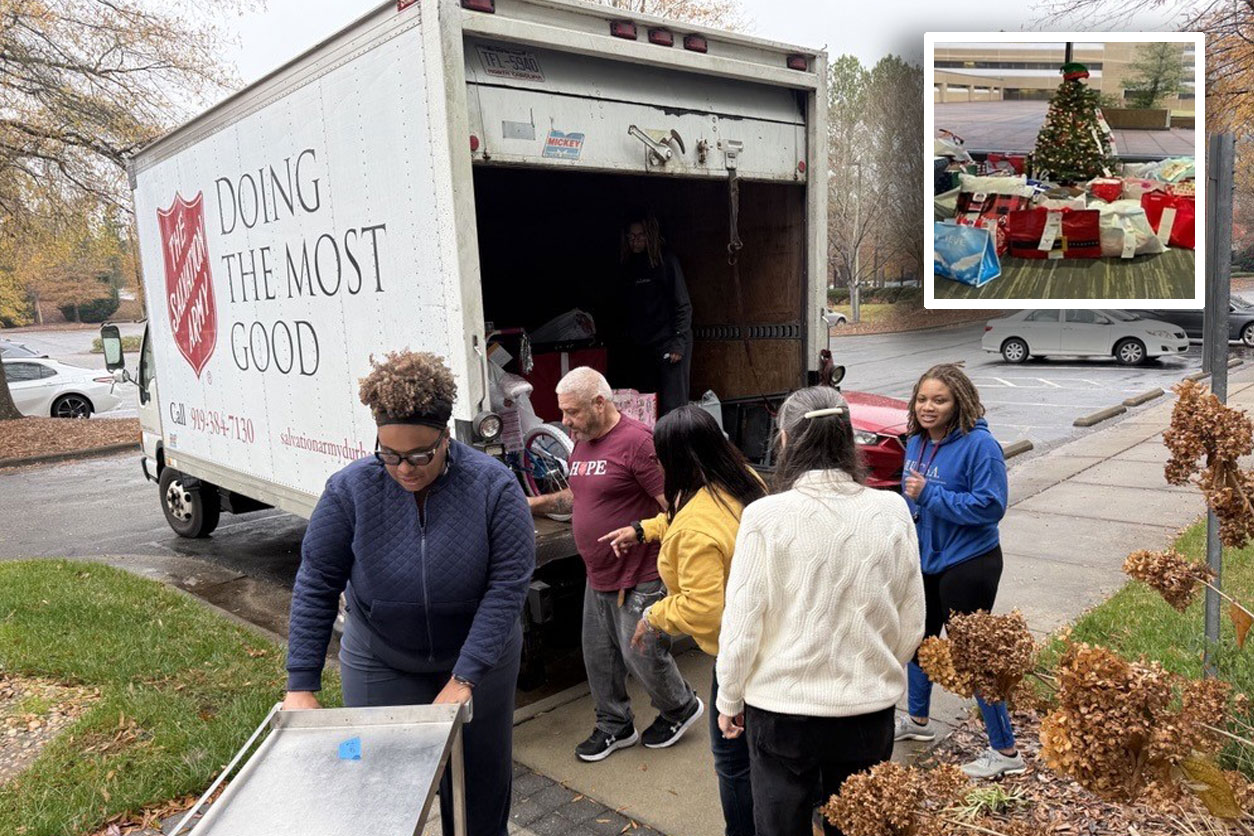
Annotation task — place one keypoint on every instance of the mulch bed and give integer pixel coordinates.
(26, 437)
(1056, 805)
(32, 713)
(913, 319)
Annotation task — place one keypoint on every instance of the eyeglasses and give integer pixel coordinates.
(421, 458)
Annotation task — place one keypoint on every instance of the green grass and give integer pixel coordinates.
(180, 690)
(128, 344)
(1136, 623)
(871, 312)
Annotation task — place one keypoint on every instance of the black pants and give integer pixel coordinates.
(797, 763)
(487, 740)
(650, 373)
(964, 588)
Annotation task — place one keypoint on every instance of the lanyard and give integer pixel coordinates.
(935, 448)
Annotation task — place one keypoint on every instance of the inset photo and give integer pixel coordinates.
(1066, 169)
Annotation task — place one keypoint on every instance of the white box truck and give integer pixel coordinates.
(441, 169)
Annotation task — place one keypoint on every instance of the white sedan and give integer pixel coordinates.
(1086, 333)
(43, 388)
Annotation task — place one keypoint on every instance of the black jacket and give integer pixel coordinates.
(658, 311)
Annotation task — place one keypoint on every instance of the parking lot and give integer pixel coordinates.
(1038, 400)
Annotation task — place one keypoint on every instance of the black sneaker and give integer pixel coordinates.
(665, 732)
(601, 745)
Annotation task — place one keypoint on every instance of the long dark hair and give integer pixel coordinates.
(967, 406)
(653, 239)
(822, 442)
(695, 454)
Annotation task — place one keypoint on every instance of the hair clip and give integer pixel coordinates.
(820, 413)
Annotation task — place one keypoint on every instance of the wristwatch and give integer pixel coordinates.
(639, 531)
(464, 681)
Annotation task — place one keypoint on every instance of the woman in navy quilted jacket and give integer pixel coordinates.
(433, 546)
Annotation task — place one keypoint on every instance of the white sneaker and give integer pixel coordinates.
(908, 729)
(993, 764)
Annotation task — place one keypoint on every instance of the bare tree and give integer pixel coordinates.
(721, 14)
(83, 84)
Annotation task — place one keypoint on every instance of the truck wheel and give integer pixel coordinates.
(191, 513)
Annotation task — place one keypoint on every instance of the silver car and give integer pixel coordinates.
(1047, 332)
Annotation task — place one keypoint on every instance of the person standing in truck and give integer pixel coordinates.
(657, 314)
(433, 546)
(615, 480)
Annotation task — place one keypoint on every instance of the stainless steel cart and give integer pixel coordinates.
(297, 782)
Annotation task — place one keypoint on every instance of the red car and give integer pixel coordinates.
(879, 427)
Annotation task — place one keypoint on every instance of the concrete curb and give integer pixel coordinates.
(1198, 375)
(1016, 448)
(1099, 416)
(94, 452)
(1144, 397)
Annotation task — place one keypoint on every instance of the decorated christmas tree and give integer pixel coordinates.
(1074, 143)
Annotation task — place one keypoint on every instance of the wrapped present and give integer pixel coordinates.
(1013, 163)
(1045, 201)
(1134, 187)
(639, 405)
(1173, 217)
(965, 254)
(995, 184)
(1126, 231)
(1047, 233)
(989, 211)
(1108, 189)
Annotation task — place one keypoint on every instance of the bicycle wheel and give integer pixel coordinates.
(546, 463)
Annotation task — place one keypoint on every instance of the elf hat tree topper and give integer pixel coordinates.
(1074, 71)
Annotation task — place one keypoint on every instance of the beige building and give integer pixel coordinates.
(1011, 71)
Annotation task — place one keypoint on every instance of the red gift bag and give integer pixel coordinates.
(1107, 189)
(989, 211)
(1048, 233)
(1173, 217)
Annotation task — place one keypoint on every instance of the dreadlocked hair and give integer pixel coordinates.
(409, 383)
(653, 239)
(967, 406)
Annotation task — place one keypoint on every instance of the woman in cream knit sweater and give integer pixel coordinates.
(824, 606)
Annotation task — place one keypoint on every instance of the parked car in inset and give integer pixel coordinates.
(13, 350)
(1240, 321)
(1044, 332)
(44, 388)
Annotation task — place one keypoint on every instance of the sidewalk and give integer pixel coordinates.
(1076, 512)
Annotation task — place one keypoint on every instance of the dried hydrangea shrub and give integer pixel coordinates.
(1170, 574)
(938, 663)
(984, 653)
(1117, 728)
(1206, 438)
(995, 651)
(895, 800)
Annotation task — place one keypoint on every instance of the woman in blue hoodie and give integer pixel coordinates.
(433, 546)
(955, 484)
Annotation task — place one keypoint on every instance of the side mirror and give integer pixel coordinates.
(111, 339)
(838, 374)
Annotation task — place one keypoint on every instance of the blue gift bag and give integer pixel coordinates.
(965, 254)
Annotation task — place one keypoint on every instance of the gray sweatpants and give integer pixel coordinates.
(609, 657)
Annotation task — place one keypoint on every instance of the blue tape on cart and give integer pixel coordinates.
(350, 750)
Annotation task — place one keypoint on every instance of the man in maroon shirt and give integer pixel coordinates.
(614, 481)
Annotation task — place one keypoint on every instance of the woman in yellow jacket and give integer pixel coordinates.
(707, 484)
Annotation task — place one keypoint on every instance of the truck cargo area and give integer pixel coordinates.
(549, 241)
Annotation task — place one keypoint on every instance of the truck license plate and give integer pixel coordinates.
(510, 63)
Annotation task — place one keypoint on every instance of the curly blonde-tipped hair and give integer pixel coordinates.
(406, 384)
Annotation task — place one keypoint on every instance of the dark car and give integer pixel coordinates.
(1240, 321)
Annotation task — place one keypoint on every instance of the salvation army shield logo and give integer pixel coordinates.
(189, 289)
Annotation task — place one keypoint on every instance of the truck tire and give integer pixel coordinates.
(192, 513)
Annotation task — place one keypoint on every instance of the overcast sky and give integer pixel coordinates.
(288, 27)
